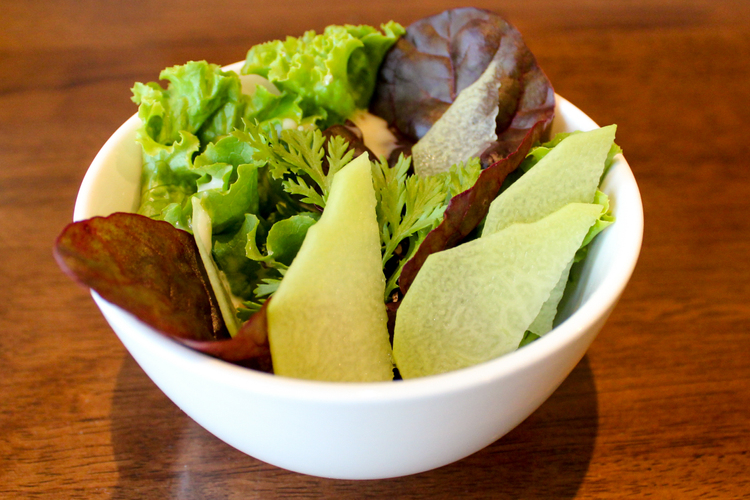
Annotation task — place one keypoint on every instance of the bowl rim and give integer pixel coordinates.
(584, 317)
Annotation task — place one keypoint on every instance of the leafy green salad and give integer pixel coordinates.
(364, 201)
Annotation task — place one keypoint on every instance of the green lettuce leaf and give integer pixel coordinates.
(334, 72)
(195, 92)
(605, 219)
(224, 177)
(286, 236)
(528, 338)
(227, 204)
(197, 112)
(231, 257)
(180, 215)
(204, 100)
(251, 273)
(167, 177)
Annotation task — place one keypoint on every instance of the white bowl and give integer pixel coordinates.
(371, 430)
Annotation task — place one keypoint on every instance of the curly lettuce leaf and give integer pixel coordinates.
(228, 203)
(208, 102)
(229, 252)
(198, 110)
(167, 176)
(224, 178)
(334, 72)
(270, 109)
(196, 90)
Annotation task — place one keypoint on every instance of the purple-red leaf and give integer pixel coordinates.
(249, 347)
(439, 56)
(147, 267)
(351, 134)
(466, 210)
(154, 271)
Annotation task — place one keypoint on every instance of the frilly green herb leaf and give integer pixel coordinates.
(409, 207)
(299, 158)
(461, 177)
(268, 286)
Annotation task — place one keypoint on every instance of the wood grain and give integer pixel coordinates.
(660, 405)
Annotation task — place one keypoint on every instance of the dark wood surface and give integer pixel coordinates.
(660, 405)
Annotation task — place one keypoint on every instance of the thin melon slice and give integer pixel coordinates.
(569, 173)
(544, 321)
(327, 320)
(474, 302)
(466, 128)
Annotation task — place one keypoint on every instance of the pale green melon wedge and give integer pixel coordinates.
(327, 321)
(543, 322)
(474, 302)
(570, 173)
(466, 127)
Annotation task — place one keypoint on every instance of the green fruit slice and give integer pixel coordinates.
(569, 173)
(474, 302)
(327, 320)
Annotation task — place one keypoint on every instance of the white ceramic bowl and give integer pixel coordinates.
(371, 430)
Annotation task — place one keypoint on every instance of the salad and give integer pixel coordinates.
(353, 205)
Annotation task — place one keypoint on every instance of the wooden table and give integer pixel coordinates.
(660, 405)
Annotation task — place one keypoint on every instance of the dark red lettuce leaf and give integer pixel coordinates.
(154, 271)
(249, 347)
(147, 267)
(439, 56)
(353, 137)
(466, 210)
(351, 134)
